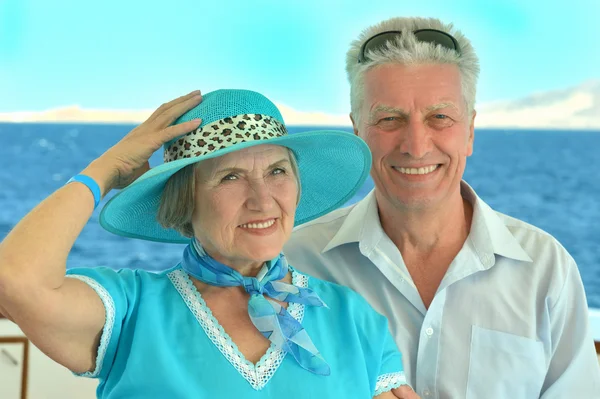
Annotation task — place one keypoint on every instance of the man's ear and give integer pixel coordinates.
(354, 124)
(471, 138)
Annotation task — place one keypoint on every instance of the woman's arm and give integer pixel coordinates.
(64, 317)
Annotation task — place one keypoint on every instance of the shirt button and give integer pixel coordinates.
(426, 392)
(429, 332)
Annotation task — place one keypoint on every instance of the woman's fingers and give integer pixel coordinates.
(129, 157)
(179, 130)
(168, 116)
(166, 106)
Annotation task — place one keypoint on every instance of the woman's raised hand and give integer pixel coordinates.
(128, 159)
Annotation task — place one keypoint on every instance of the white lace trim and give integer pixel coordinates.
(259, 374)
(109, 322)
(387, 382)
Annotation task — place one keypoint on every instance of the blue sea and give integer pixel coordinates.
(547, 178)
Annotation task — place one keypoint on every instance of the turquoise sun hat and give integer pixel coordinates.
(332, 164)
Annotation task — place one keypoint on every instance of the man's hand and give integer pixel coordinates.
(405, 392)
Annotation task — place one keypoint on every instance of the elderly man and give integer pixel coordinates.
(481, 305)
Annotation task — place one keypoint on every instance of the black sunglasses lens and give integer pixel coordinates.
(436, 37)
(378, 42)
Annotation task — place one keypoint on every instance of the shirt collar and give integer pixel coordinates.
(364, 216)
(489, 234)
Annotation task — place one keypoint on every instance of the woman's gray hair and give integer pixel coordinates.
(177, 199)
(407, 50)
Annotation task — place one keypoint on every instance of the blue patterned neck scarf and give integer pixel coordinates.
(270, 318)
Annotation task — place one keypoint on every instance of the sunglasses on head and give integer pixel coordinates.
(434, 36)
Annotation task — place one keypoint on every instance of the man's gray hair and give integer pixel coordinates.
(407, 50)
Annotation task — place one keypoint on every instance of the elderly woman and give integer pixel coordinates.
(232, 319)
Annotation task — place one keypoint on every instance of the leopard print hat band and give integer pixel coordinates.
(224, 133)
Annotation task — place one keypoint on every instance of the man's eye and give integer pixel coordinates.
(441, 121)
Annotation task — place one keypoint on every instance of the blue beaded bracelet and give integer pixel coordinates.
(91, 184)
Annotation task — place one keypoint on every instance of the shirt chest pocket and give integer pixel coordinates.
(504, 365)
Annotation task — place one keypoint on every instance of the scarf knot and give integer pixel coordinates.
(253, 286)
(269, 317)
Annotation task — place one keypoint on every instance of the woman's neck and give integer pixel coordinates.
(230, 292)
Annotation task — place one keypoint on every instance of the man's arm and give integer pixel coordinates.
(573, 371)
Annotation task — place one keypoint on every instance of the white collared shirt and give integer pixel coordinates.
(509, 319)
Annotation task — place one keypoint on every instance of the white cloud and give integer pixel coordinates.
(294, 117)
(75, 113)
(573, 108)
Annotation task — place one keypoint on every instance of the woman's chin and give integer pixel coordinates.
(265, 255)
(263, 249)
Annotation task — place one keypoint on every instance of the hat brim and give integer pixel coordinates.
(332, 165)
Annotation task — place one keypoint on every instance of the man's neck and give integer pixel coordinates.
(427, 229)
(428, 239)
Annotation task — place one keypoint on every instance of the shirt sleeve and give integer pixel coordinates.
(383, 359)
(113, 287)
(391, 373)
(573, 371)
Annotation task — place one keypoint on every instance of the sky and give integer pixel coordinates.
(138, 54)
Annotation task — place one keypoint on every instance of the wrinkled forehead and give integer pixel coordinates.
(413, 86)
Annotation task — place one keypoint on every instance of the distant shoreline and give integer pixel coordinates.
(512, 130)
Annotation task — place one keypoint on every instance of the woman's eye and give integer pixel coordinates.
(278, 171)
(230, 176)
